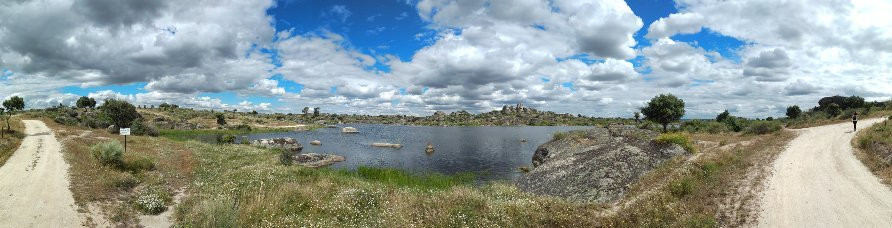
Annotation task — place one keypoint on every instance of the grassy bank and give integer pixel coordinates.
(716, 188)
(874, 149)
(183, 135)
(151, 171)
(239, 185)
(10, 141)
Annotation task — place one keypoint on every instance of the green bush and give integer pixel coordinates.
(139, 164)
(119, 112)
(735, 124)
(138, 127)
(226, 139)
(109, 153)
(680, 139)
(698, 126)
(763, 127)
(681, 188)
(286, 157)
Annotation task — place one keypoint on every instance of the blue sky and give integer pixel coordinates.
(591, 57)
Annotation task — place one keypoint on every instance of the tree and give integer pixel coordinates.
(793, 112)
(833, 110)
(664, 109)
(2, 132)
(854, 102)
(637, 117)
(221, 120)
(306, 110)
(119, 112)
(86, 102)
(254, 112)
(723, 116)
(12, 105)
(315, 111)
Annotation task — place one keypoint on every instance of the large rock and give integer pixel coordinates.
(288, 144)
(595, 165)
(313, 160)
(349, 130)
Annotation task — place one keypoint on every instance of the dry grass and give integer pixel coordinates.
(115, 189)
(717, 187)
(11, 140)
(873, 146)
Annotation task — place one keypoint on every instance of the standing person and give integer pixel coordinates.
(855, 121)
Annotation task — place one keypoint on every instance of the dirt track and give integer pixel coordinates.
(34, 183)
(818, 182)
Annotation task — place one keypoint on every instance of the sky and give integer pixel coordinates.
(602, 58)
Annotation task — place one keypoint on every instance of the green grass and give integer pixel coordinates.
(566, 134)
(243, 186)
(185, 135)
(680, 139)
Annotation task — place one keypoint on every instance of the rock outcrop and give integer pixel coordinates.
(349, 130)
(595, 165)
(313, 160)
(288, 144)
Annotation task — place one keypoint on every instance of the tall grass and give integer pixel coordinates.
(680, 139)
(875, 149)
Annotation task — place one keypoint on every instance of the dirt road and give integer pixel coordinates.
(34, 183)
(818, 182)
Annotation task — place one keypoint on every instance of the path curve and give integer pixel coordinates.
(34, 183)
(818, 182)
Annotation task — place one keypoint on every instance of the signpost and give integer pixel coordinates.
(125, 132)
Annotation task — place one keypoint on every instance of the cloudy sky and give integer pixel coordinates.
(591, 57)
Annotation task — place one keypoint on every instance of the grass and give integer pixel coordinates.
(681, 139)
(566, 134)
(11, 140)
(152, 168)
(874, 149)
(713, 190)
(242, 186)
(185, 135)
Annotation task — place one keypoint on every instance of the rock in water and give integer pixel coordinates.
(313, 160)
(391, 145)
(429, 149)
(595, 165)
(315, 142)
(289, 144)
(349, 130)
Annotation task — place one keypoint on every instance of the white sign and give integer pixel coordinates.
(125, 131)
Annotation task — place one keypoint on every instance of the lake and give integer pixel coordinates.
(491, 153)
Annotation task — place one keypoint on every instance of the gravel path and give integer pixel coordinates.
(34, 183)
(818, 182)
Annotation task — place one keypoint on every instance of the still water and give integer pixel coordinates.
(491, 153)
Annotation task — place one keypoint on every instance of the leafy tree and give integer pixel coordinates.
(794, 112)
(221, 120)
(254, 112)
(637, 117)
(664, 109)
(86, 102)
(12, 105)
(833, 109)
(119, 112)
(723, 116)
(306, 110)
(2, 132)
(854, 102)
(315, 111)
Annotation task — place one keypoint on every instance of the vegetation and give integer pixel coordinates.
(875, 149)
(119, 112)
(793, 112)
(11, 106)
(664, 109)
(833, 110)
(85, 102)
(109, 153)
(763, 127)
(221, 119)
(680, 139)
(10, 142)
(722, 117)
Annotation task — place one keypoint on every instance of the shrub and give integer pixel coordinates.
(138, 127)
(833, 110)
(226, 139)
(221, 119)
(697, 126)
(286, 157)
(152, 200)
(681, 188)
(125, 181)
(108, 153)
(735, 124)
(763, 127)
(680, 139)
(242, 127)
(794, 112)
(139, 164)
(119, 112)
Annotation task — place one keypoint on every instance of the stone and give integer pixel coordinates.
(349, 130)
(288, 144)
(391, 145)
(315, 142)
(314, 160)
(595, 165)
